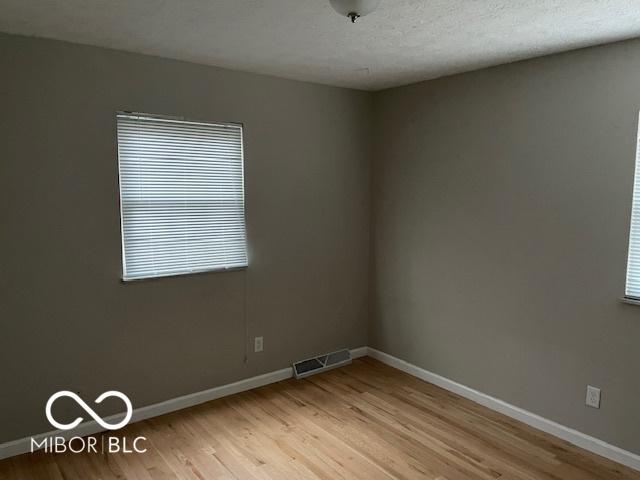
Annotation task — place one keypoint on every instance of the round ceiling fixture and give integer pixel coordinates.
(354, 9)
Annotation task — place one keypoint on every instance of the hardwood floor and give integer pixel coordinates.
(365, 421)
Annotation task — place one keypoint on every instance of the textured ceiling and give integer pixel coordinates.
(404, 41)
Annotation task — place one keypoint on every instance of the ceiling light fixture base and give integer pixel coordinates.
(354, 9)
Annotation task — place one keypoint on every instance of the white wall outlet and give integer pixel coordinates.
(258, 344)
(593, 397)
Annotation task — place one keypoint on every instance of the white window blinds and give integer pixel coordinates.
(632, 289)
(181, 196)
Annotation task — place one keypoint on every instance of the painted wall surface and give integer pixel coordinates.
(67, 321)
(501, 203)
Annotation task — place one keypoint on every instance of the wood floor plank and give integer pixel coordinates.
(366, 421)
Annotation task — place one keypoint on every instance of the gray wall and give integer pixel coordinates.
(66, 320)
(501, 203)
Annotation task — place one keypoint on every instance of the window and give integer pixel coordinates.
(181, 196)
(632, 289)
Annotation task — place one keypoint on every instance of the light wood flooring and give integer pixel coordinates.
(365, 421)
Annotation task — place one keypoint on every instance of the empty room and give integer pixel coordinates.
(319, 239)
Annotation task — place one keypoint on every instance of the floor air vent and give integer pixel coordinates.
(311, 366)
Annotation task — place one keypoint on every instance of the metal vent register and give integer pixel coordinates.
(311, 366)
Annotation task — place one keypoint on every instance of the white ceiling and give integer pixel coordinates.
(404, 41)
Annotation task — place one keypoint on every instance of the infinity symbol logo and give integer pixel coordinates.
(89, 410)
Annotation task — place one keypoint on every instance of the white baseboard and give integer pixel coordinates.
(359, 352)
(572, 436)
(23, 445)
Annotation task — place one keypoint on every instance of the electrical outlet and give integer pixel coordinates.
(257, 344)
(593, 397)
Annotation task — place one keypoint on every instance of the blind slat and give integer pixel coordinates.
(632, 288)
(181, 196)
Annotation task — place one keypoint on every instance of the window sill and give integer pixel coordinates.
(630, 301)
(186, 274)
